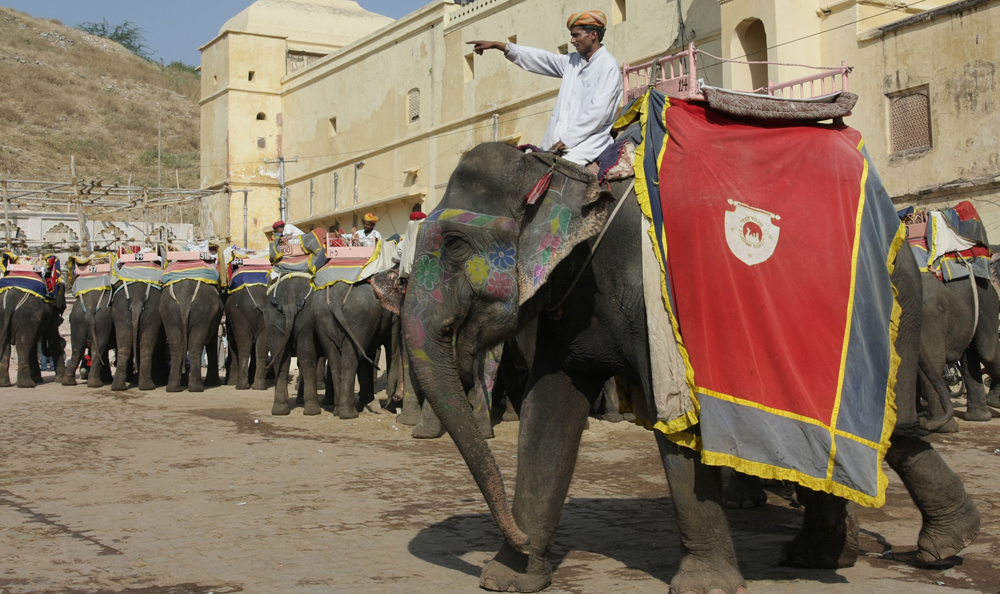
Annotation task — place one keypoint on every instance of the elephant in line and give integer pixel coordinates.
(953, 330)
(290, 332)
(91, 320)
(26, 319)
(191, 311)
(452, 314)
(351, 326)
(135, 309)
(247, 330)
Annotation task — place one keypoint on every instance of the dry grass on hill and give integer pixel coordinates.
(64, 92)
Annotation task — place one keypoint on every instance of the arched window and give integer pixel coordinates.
(413, 105)
(261, 116)
(750, 42)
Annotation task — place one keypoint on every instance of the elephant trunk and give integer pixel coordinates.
(440, 385)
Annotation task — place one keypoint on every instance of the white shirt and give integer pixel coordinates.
(367, 239)
(291, 230)
(588, 100)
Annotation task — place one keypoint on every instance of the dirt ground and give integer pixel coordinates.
(151, 493)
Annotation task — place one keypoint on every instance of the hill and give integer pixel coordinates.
(66, 93)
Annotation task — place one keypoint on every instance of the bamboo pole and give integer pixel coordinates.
(6, 211)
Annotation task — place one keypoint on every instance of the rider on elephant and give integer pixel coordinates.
(591, 91)
(367, 236)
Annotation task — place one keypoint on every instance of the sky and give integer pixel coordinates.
(174, 30)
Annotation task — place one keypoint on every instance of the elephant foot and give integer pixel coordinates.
(346, 412)
(37, 379)
(5, 382)
(241, 385)
(946, 536)
(744, 492)
(146, 385)
(260, 385)
(174, 387)
(119, 384)
(950, 427)
(196, 387)
(979, 413)
(699, 575)
(830, 544)
(993, 400)
(312, 409)
(26, 383)
(429, 425)
(213, 382)
(94, 381)
(280, 410)
(68, 380)
(511, 571)
(408, 417)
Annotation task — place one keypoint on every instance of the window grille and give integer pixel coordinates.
(910, 120)
(413, 104)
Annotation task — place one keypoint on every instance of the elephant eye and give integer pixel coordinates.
(456, 247)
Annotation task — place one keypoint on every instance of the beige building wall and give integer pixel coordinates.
(351, 117)
(943, 48)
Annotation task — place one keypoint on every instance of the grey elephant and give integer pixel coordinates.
(351, 327)
(138, 326)
(290, 332)
(90, 320)
(28, 315)
(598, 332)
(247, 331)
(954, 330)
(191, 310)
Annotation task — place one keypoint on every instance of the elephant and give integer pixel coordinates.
(953, 330)
(25, 320)
(91, 320)
(247, 330)
(451, 315)
(191, 314)
(290, 332)
(351, 326)
(135, 309)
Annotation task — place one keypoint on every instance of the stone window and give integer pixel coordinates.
(332, 129)
(910, 120)
(250, 75)
(261, 143)
(618, 12)
(413, 105)
(261, 116)
(470, 66)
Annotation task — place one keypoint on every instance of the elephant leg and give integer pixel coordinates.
(123, 354)
(950, 518)
(100, 366)
(829, 535)
(939, 404)
(148, 341)
(553, 417)
(178, 353)
(428, 424)
(992, 365)
(411, 404)
(212, 377)
(27, 350)
(709, 562)
(306, 350)
(347, 370)
(198, 341)
(260, 372)
(972, 375)
(366, 386)
(5, 365)
(743, 491)
(281, 367)
(33, 364)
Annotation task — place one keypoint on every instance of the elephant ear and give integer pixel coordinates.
(387, 289)
(572, 210)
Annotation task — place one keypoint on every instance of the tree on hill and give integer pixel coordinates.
(127, 33)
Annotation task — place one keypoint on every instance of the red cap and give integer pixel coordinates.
(275, 226)
(416, 216)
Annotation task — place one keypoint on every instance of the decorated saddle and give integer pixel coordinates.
(950, 243)
(245, 268)
(41, 278)
(347, 264)
(191, 265)
(785, 328)
(138, 264)
(90, 273)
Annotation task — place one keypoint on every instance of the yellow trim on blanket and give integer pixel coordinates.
(282, 277)
(28, 291)
(690, 418)
(101, 288)
(200, 280)
(243, 286)
(374, 257)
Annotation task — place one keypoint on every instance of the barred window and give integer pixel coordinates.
(413, 105)
(910, 120)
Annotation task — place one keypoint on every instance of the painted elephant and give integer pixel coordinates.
(351, 326)
(247, 330)
(290, 332)
(953, 329)
(25, 320)
(484, 286)
(91, 321)
(135, 309)
(191, 311)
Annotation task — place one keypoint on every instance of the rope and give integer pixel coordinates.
(593, 248)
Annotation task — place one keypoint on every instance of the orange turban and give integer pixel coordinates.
(589, 18)
(370, 218)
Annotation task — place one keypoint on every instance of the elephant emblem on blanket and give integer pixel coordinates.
(750, 233)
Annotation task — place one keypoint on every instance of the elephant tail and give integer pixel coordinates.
(92, 319)
(286, 338)
(136, 314)
(338, 314)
